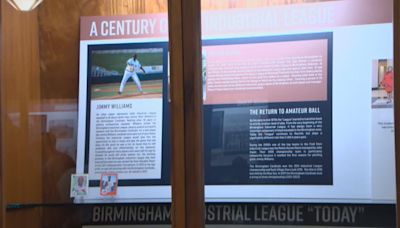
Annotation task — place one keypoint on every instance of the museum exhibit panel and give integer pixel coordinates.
(130, 113)
(296, 107)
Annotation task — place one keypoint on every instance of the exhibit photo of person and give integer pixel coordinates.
(382, 83)
(127, 73)
(387, 83)
(132, 66)
(108, 184)
(79, 185)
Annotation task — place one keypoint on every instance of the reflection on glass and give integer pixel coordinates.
(298, 101)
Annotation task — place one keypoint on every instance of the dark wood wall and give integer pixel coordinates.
(20, 89)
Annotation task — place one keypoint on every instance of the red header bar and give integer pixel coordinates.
(245, 21)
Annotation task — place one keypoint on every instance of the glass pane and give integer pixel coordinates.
(298, 109)
(122, 89)
(100, 110)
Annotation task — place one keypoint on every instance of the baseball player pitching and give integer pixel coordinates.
(132, 67)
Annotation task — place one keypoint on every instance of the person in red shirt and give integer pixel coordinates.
(387, 83)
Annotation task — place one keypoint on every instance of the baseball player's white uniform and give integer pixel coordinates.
(132, 66)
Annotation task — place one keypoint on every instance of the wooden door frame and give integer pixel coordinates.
(2, 206)
(187, 182)
(396, 60)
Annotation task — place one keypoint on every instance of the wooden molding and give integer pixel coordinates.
(2, 206)
(20, 137)
(396, 60)
(186, 114)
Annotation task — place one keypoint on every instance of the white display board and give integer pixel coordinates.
(315, 67)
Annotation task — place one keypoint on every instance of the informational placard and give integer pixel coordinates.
(287, 94)
(382, 128)
(125, 121)
(123, 107)
(268, 108)
(297, 104)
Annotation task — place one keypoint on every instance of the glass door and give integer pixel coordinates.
(298, 112)
(85, 127)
